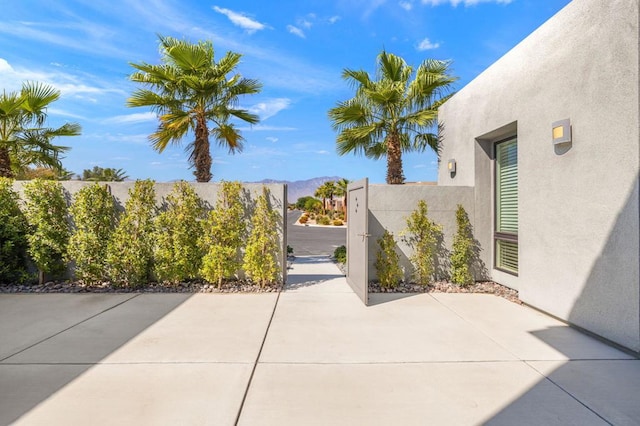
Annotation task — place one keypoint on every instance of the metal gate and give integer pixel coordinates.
(357, 238)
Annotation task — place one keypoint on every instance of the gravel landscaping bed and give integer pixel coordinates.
(486, 287)
(190, 287)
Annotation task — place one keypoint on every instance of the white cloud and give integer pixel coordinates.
(138, 117)
(426, 44)
(334, 19)
(270, 107)
(406, 5)
(241, 20)
(271, 139)
(68, 84)
(295, 31)
(322, 152)
(63, 113)
(466, 3)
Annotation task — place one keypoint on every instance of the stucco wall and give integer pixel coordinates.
(391, 205)
(578, 203)
(207, 191)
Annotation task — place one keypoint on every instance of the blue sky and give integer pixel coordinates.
(297, 49)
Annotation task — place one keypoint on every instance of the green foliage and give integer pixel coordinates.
(94, 215)
(323, 220)
(303, 219)
(302, 201)
(224, 233)
(178, 230)
(340, 254)
(337, 222)
(313, 205)
(289, 250)
(130, 249)
(462, 253)
(387, 262)
(421, 235)
(46, 211)
(99, 174)
(13, 235)
(24, 139)
(261, 257)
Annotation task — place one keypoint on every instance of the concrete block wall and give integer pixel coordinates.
(208, 192)
(391, 205)
(579, 227)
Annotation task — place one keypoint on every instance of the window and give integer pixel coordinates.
(506, 227)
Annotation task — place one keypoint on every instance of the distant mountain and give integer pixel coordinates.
(302, 188)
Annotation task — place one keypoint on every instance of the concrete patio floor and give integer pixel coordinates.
(312, 355)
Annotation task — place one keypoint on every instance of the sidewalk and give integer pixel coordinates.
(312, 355)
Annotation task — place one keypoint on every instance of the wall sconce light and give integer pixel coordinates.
(561, 131)
(451, 166)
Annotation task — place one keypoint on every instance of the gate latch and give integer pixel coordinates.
(364, 236)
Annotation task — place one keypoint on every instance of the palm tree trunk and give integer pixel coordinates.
(5, 164)
(395, 175)
(201, 153)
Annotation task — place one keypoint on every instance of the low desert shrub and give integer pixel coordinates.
(421, 235)
(178, 251)
(387, 262)
(224, 233)
(46, 211)
(303, 219)
(94, 216)
(340, 254)
(462, 253)
(261, 256)
(337, 222)
(13, 235)
(130, 250)
(323, 220)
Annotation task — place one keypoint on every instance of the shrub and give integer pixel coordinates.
(462, 253)
(46, 211)
(261, 257)
(94, 215)
(323, 220)
(13, 235)
(387, 262)
(289, 250)
(130, 250)
(303, 219)
(224, 232)
(340, 254)
(337, 222)
(421, 235)
(178, 230)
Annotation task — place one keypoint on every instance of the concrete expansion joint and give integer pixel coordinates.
(255, 364)
(69, 328)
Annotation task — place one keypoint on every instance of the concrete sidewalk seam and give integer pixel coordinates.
(575, 398)
(255, 364)
(69, 328)
(478, 329)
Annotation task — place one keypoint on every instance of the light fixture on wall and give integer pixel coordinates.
(451, 166)
(561, 131)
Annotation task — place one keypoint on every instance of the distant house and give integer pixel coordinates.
(548, 137)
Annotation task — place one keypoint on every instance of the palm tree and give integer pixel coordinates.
(190, 91)
(392, 114)
(24, 139)
(341, 191)
(98, 174)
(325, 191)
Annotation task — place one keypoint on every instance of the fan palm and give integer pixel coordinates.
(341, 191)
(24, 139)
(393, 114)
(99, 174)
(190, 90)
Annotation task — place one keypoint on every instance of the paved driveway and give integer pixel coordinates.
(312, 355)
(313, 240)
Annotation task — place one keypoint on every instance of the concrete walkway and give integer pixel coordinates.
(312, 355)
